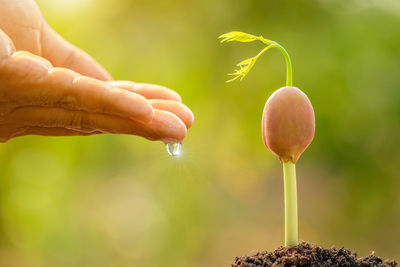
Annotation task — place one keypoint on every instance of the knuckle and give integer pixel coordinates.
(86, 122)
(67, 101)
(75, 120)
(79, 120)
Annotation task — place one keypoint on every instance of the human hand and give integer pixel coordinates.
(49, 87)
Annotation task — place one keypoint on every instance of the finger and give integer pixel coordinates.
(6, 46)
(164, 125)
(54, 131)
(88, 94)
(34, 82)
(177, 108)
(63, 54)
(149, 91)
(21, 20)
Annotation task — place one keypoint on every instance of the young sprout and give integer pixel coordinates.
(288, 125)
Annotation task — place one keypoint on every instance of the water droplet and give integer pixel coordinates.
(174, 149)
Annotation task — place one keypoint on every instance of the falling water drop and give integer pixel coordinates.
(174, 149)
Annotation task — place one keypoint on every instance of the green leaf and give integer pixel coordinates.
(245, 67)
(245, 62)
(237, 36)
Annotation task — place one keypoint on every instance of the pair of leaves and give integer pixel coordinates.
(247, 64)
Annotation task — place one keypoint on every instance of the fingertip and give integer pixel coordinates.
(149, 112)
(29, 56)
(137, 106)
(27, 65)
(7, 47)
(179, 109)
(168, 127)
(145, 115)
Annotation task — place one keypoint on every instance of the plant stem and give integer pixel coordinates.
(289, 75)
(289, 71)
(291, 228)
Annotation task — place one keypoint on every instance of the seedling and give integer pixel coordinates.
(288, 125)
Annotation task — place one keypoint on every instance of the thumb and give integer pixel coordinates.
(61, 53)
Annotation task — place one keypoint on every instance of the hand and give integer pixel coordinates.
(49, 87)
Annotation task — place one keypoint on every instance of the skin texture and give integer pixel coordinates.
(288, 123)
(49, 87)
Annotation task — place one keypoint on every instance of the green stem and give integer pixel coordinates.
(289, 75)
(291, 227)
(289, 71)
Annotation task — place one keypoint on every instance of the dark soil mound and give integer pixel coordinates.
(306, 254)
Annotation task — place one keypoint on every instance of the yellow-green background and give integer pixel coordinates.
(122, 201)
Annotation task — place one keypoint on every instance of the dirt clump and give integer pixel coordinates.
(306, 254)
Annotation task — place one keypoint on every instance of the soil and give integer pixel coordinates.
(306, 254)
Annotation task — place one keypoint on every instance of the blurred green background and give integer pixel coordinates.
(122, 201)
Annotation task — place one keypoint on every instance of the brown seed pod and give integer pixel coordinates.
(288, 123)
